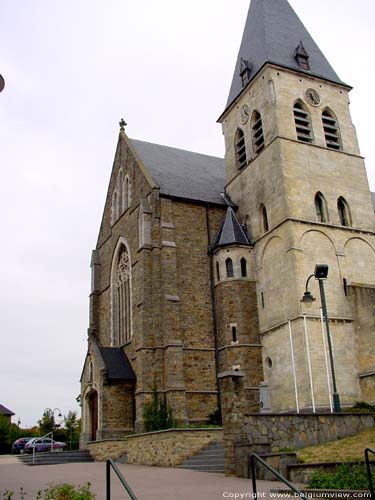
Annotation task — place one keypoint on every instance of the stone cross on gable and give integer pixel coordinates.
(122, 124)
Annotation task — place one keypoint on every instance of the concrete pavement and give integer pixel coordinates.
(148, 483)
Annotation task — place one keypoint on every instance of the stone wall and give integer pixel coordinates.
(246, 433)
(163, 448)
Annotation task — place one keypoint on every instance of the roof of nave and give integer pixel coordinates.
(183, 174)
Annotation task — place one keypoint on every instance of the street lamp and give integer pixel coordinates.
(321, 273)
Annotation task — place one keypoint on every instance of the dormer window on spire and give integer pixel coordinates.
(302, 57)
(245, 70)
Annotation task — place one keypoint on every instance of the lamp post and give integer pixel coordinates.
(320, 274)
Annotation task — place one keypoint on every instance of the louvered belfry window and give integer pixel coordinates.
(240, 148)
(331, 130)
(303, 123)
(257, 132)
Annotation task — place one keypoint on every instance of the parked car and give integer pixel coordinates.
(44, 444)
(19, 445)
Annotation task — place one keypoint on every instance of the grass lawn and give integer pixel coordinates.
(351, 448)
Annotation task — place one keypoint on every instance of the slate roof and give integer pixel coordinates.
(117, 364)
(231, 232)
(183, 174)
(272, 33)
(373, 200)
(5, 411)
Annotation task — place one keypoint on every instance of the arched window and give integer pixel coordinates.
(264, 218)
(240, 149)
(229, 267)
(331, 130)
(344, 212)
(303, 122)
(321, 208)
(120, 192)
(121, 297)
(90, 373)
(257, 132)
(114, 208)
(126, 191)
(243, 267)
(217, 271)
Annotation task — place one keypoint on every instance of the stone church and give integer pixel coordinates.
(201, 262)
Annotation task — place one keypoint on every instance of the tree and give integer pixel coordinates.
(5, 439)
(47, 423)
(72, 425)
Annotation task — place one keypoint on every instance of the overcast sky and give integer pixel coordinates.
(73, 68)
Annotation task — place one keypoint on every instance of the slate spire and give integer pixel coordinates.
(231, 232)
(273, 33)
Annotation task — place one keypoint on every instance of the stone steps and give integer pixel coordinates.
(209, 459)
(54, 458)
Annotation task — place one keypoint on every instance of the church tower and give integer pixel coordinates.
(294, 168)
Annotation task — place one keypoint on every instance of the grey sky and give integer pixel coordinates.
(72, 70)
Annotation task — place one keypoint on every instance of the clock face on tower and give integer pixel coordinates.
(245, 113)
(312, 97)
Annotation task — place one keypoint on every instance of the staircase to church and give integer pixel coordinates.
(55, 458)
(209, 459)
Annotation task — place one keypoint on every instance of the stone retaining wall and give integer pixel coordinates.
(297, 431)
(163, 448)
(246, 433)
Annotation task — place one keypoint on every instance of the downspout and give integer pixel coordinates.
(214, 308)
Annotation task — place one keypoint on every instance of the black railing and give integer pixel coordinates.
(110, 463)
(369, 473)
(253, 458)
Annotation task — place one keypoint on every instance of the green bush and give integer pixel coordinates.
(57, 492)
(360, 407)
(157, 414)
(347, 476)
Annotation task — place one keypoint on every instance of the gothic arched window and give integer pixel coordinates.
(114, 208)
(243, 267)
(321, 207)
(120, 192)
(264, 219)
(344, 212)
(121, 297)
(229, 267)
(217, 271)
(331, 130)
(240, 149)
(303, 122)
(257, 132)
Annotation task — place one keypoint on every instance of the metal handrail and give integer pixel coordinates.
(41, 437)
(253, 458)
(110, 463)
(369, 473)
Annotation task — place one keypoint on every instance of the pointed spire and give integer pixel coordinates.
(272, 33)
(231, 232)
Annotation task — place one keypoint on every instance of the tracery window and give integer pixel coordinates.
(121, 298)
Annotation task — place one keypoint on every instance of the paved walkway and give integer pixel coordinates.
(148, 483)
